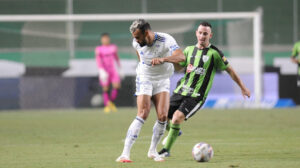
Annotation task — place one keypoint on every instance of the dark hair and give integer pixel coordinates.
(139, 24)
(206, 24)
(105, 34)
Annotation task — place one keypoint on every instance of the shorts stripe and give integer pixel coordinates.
(194, 110)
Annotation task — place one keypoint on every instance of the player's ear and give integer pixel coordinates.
(211, 34)
(146, 33)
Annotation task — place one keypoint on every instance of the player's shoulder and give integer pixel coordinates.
(163, 37)
(297, 43)
(216, 50)
(190, 47)
(135, 44)
(114, 46)
(98, 48)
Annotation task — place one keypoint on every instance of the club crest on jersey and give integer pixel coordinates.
(190, 68)
(205, 58)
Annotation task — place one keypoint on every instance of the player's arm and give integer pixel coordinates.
(234, 76)
(138, 55)
(102, 73)
(176, 57)
(98, 59)
(117, 57)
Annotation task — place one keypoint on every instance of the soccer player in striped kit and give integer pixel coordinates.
(201, 62)
(106, 56)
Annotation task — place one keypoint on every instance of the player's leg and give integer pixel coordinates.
(113, 96)
(177, 119)
(104, 82)
(116, 84)
(143, 104)
(161, 102)
(175, 102)
(187, 109)
(143, 92)
(114, 93)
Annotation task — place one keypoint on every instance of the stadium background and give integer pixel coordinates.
(45, 58)
(34, 57)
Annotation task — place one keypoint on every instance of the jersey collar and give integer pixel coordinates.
(206, 47)
(155, 38)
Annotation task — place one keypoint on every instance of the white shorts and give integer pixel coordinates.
(148, 87)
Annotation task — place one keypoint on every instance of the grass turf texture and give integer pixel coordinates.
(89, 138)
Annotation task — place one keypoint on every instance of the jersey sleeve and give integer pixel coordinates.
(295, 51)
(171, 44)
(116, 56)
(135, 44)
(98, 58)
(221, 61)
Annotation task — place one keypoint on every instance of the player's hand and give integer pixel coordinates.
(103, 75)
(157, 61)
(246, 92)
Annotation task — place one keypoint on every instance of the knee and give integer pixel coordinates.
(105, 88)
(116, 86)
(162, 117)
(162, 114)
(144, 112)
(178, 117)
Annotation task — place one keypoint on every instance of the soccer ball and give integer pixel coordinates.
(96, 100)
(202, 152)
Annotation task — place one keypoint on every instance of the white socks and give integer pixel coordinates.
(132, 134)
(158, 132)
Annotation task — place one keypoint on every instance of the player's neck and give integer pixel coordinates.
(203, 46)
(151, 38)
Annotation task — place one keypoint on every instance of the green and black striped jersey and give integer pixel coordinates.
(201, 66)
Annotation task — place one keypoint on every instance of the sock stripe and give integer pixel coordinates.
(162, 122)
(140, 119)
(175, 128)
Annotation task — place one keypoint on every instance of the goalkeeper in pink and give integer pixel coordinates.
(107, 58)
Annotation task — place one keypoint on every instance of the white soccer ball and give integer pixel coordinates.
(96, 100)
(202, 152)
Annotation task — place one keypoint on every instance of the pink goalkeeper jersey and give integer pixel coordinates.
(106, 57)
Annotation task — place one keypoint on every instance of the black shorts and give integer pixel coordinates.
(186, 104)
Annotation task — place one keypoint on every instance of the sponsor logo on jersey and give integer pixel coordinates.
(200, 71)
(190, 68)
(187, 89)
(197, 70)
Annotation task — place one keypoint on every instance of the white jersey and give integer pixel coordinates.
(163, 46)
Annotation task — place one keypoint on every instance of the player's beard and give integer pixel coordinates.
(142, 44)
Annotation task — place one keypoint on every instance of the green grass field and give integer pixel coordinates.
(91, 139)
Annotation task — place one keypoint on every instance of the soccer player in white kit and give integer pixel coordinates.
(152, 83)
